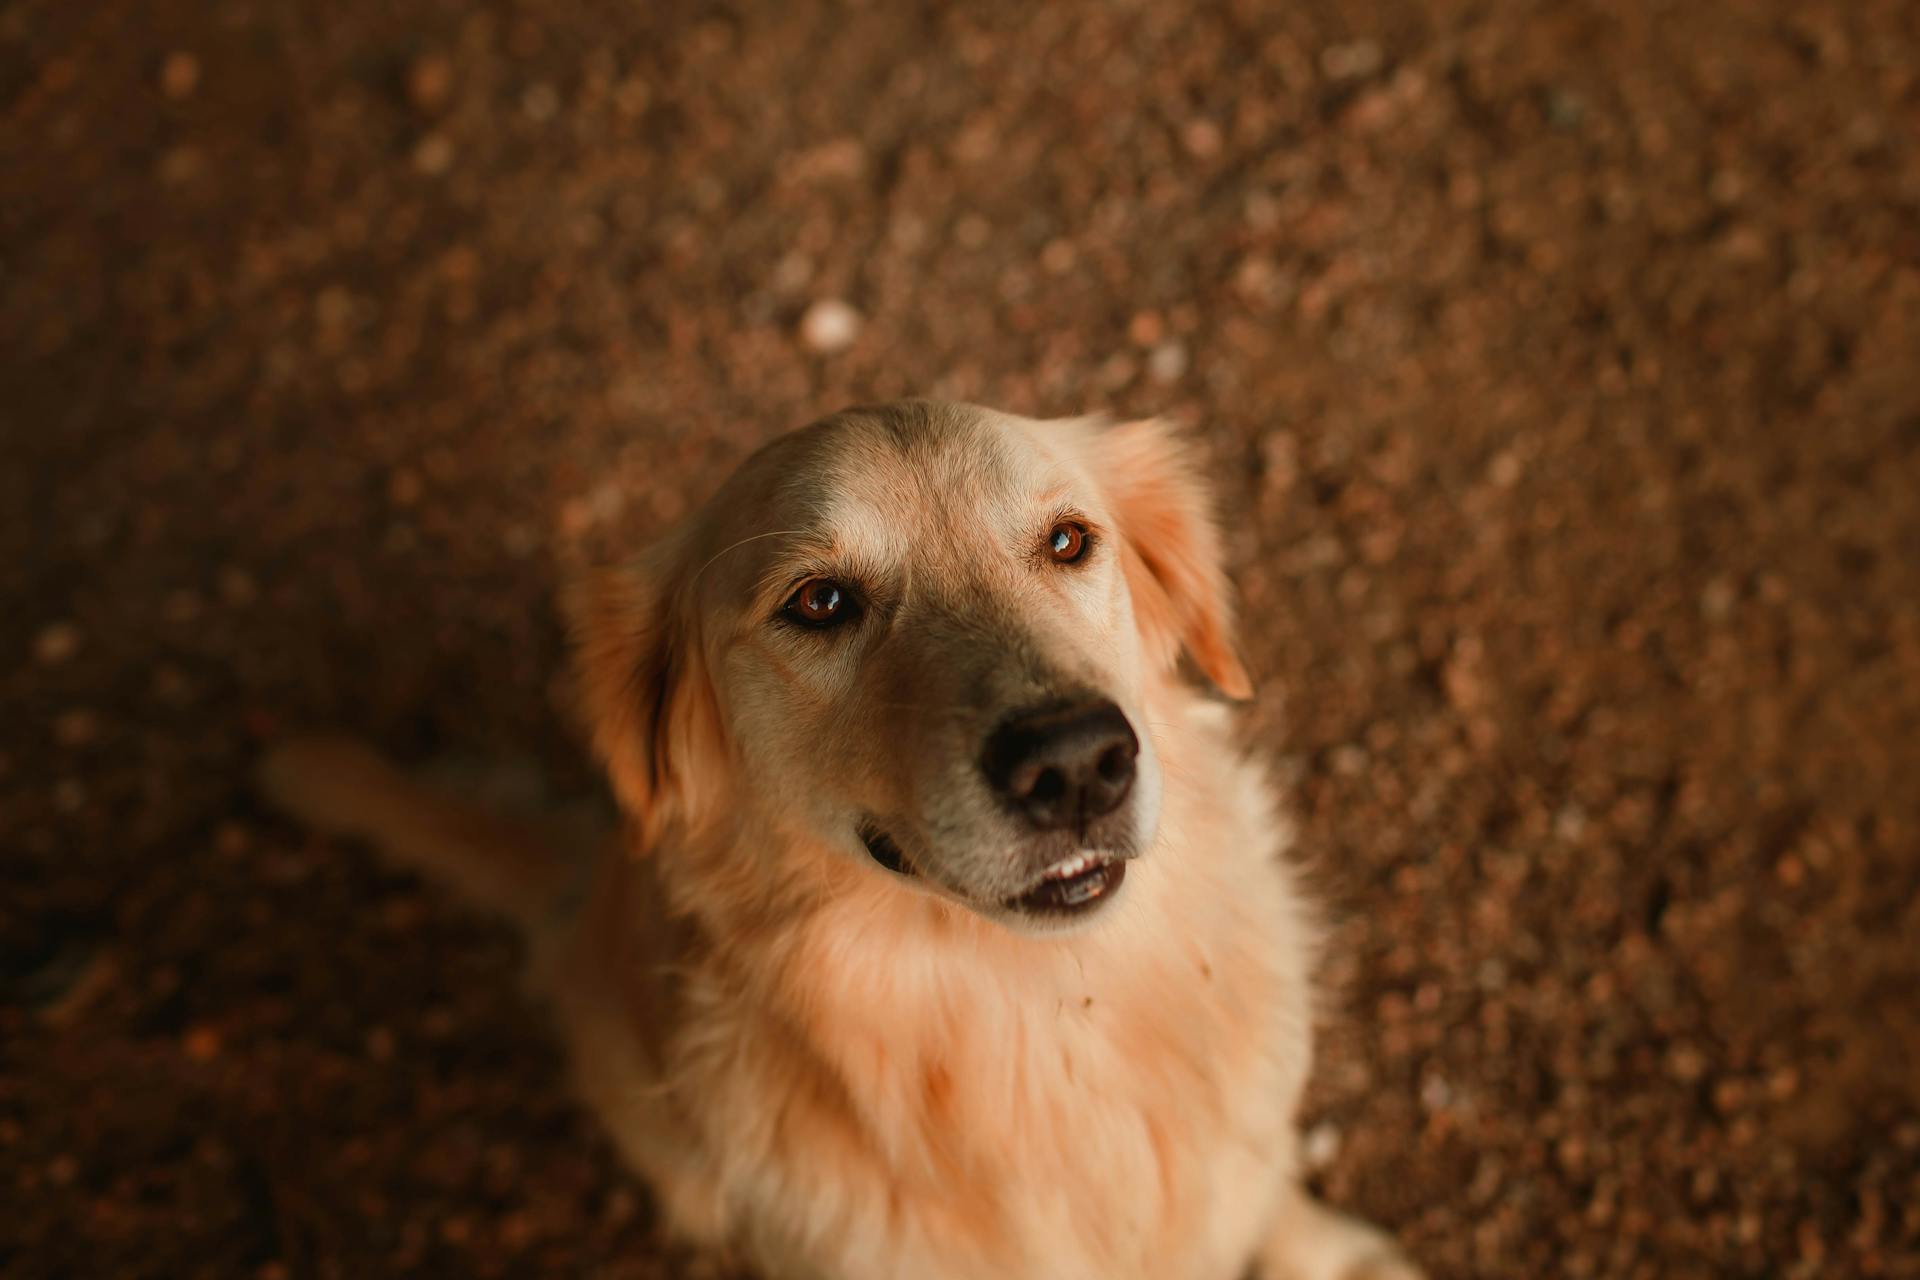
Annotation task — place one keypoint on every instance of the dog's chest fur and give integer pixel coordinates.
(925, 1094)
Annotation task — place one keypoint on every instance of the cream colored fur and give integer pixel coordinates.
(829, 1070)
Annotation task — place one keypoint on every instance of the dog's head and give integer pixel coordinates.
(923, 635)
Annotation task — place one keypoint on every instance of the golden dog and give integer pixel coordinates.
(954, 935)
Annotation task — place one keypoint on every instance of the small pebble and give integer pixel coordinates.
(1717, 601)
(404, 487)
(1058, 257)
(792, 272)
(433, 155)
(1319, 1145)
(541, 102)
(1168, 362)
(56, 643)
(633, 96)
(75, 728)
(1202, 139)
(1353, 61)
(1686, 1063)
(429, 81)
(1117, 370)
(829, 325)
(201, 1044)
(182, 606)
(179, 75)
(238, 587)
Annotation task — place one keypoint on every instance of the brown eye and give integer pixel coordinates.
(1067, 541)
(820, 603)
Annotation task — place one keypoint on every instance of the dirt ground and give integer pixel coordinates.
(1559, 365)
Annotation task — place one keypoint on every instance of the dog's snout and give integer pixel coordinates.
(1062, 767)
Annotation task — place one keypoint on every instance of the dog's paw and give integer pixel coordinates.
(1389, 1265)
(1382, 1261)
(1312, 1242)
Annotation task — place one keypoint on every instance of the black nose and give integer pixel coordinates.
(1063, 766)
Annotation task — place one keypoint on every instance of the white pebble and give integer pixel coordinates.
(829, 325)
(1319, 1145)
(1168, 362)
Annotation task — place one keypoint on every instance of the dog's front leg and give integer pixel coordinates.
(1309, 1241)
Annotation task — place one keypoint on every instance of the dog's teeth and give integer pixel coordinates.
(1067, 868)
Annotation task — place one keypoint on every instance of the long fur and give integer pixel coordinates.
(831, 1073)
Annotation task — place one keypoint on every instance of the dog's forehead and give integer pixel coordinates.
(875, 480)
(908, 469)
(921, 483)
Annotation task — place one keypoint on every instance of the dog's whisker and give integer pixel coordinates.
(775, 533)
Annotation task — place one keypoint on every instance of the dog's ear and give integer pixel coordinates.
(645, 691)
(1170, 550)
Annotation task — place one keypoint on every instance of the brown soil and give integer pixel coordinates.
(1560, 364)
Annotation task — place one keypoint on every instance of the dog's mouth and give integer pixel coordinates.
(1074, 886)
(882, 849)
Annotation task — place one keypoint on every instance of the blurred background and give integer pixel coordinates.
(1559, 366)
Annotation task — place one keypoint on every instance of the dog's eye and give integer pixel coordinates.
(820, 603)
(1068, 541)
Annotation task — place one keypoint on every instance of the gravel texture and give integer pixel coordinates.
(1560, 366)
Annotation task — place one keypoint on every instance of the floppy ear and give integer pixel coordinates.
(649, 704)
(1170, 550)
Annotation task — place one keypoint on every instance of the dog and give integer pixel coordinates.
(951, 936)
